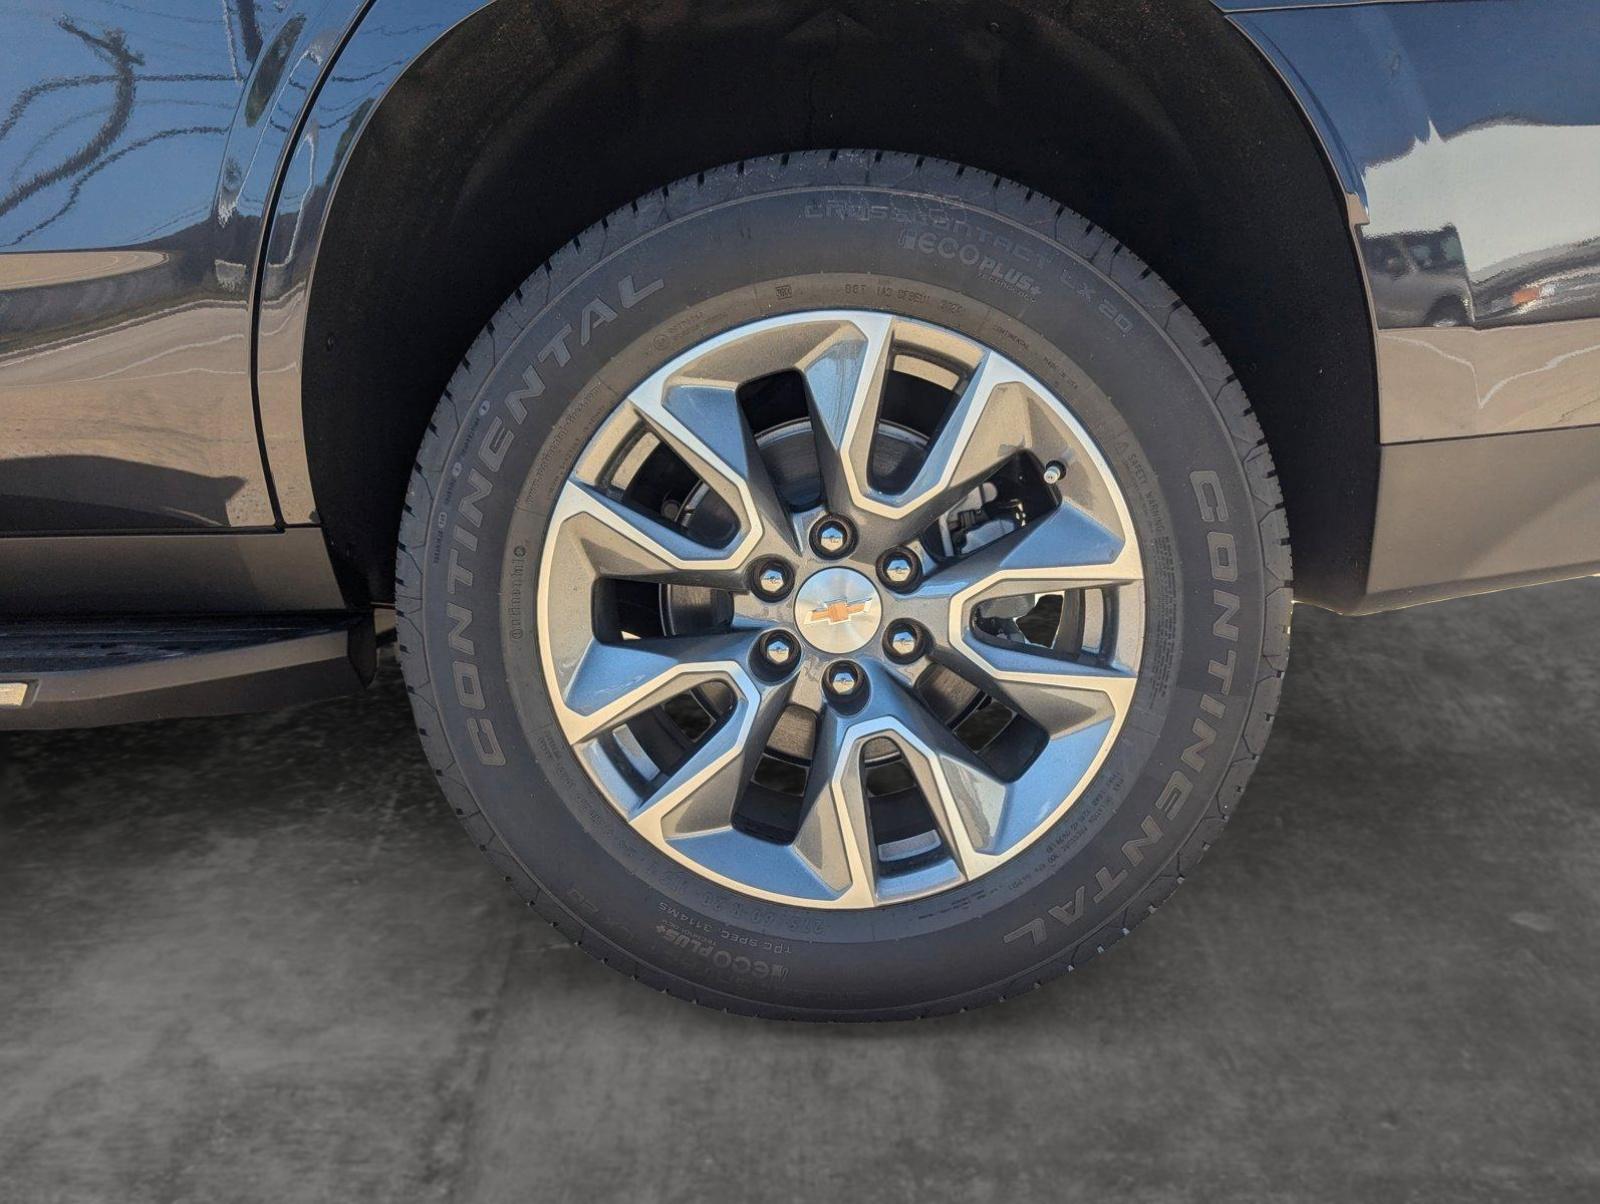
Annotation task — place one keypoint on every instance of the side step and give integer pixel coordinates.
(87, 673)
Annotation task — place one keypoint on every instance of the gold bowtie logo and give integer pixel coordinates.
(837, 612)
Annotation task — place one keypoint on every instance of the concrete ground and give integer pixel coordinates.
(254, 959)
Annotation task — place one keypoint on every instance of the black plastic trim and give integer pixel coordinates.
(1467, 516)
(86, 673)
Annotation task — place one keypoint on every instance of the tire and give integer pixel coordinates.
(940, 243)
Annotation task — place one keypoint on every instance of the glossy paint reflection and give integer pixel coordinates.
(1471, 135)
(138, 157)
(1467, 137)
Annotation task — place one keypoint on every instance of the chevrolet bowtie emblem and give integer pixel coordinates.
(837, 612)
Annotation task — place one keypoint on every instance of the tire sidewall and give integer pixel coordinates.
(678, 269)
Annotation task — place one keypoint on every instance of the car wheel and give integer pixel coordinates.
(843, 585)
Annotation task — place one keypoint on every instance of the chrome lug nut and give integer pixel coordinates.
(1054, 471)
(779, 650)
(772, 581)
(843, 680)
(831, 537)
(899, 569)
(903, 640)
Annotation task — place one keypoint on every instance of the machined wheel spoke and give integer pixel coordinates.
(835, 835)
(618, 540)
(844, 385)
(1060, 695)
(613, 683)
(702, 421)
(700, 795)
(1064, 549)
(989, 423)
(967, 801)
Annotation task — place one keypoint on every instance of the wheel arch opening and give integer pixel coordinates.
(534, 118)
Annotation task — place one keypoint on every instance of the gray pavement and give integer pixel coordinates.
(255, 959)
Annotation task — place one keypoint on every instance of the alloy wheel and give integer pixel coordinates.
(841, 609)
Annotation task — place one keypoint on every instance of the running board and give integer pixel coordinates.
(87, 673)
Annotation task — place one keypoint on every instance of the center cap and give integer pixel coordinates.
(837, 610)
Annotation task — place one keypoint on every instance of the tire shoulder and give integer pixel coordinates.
(858, 167)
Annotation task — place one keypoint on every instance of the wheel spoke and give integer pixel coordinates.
(992, 419)
(835, 837)
(968, 802)
(1061, 696)
(1064, 549)
(990, 422)
(844, 385)
(702, 421)
(700, 796)
(613, 539)
(613, 683)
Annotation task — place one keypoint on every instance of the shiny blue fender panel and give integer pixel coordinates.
(1466, 134)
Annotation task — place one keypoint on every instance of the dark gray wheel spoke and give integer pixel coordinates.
(989, 423)
(835, 837)
(966, 799)
(1066, 549)
(701, 795)
(1060, 696)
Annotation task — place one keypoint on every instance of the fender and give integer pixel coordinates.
(389, 37)
(1466, 138)
(1460, 314)
(142, 150)
(388, 40)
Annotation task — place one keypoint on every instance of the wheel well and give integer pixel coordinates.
(535, 118)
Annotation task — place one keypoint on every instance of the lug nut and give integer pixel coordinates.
(779, 650)
(772, 581)
(844, 679)
(903, 640)
(898, 568)
(831, 537)
(1054, 471)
